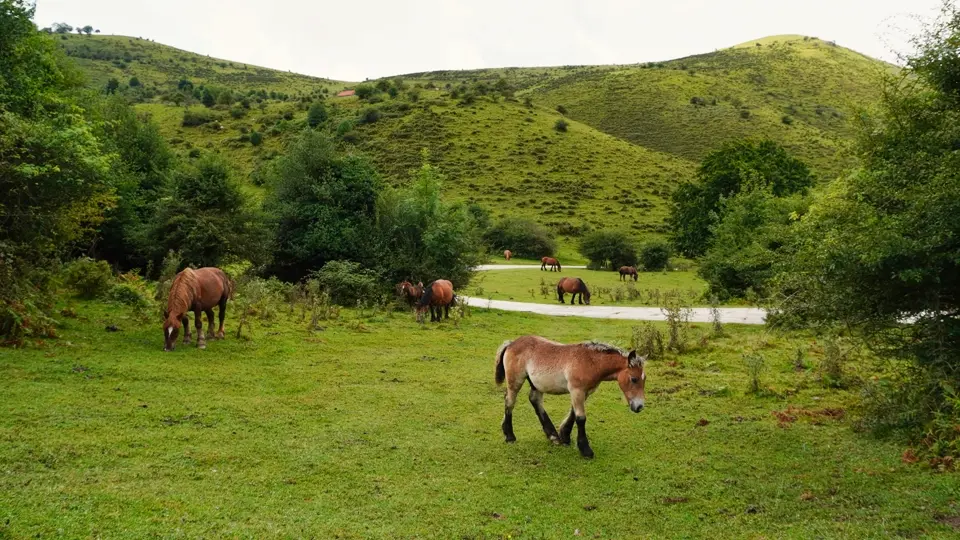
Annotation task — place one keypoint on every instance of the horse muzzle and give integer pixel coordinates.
(636, 405)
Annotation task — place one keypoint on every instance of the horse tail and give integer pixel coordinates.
(501, 370)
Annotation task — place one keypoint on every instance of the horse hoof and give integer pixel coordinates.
(510, 439)
(202, 346)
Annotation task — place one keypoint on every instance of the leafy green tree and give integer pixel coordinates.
(88, 29)
(748, 243)
(323, 207)
(54, 174)
(365, 91)
(654, 256)
(525, 238)
(317, 114)
(424, 238)
(879, 252)
(112, 86)
(60, 28)
(207, 98)
(144, 166)
(608, 249)
(205, 217)
(723, 173)
(134, 82)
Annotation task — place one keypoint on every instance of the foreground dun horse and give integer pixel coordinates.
(438, 296)
(555, 368)
(628, 271)
(554, 264)
(197, 291)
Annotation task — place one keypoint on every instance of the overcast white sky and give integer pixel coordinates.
(356, 39)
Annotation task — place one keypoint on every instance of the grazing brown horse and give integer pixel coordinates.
(574, 286)
(197, 291)
(554, 264)
(555, 368)
(507, 254)
(409, 292)
(628, 271)
(436, 295)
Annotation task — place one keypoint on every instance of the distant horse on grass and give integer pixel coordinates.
(574, 286)
(626, 271)
(409, 292)
(436, 295)
(197, 291)
(550, 261)
(555, 368)
(507, 254)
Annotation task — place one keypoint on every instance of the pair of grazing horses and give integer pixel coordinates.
(554, 264)
(438, 296)
(198, 291)
(555, 368)
(627, 272)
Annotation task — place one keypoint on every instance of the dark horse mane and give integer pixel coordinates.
(584, 285)
(427, 295)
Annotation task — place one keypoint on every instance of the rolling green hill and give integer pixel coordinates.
(634, 131)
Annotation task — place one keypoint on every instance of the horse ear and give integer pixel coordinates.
(634, 360)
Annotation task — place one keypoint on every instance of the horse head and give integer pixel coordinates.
(171, 329)
(632, 380)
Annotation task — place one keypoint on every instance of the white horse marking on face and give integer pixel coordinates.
(169, 331)
(643, 376)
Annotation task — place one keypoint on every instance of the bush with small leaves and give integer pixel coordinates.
(88, 278)
(561, 109)
(256, 139)
(370, 116)
(655, 256)
(561, 125)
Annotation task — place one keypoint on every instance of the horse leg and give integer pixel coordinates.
(536, 399)
(185, 322)
(223, 314)
(580, 300)
(566, 428)
(446, 311)
(210, 334)
(201, 343)
(509, 400)
(577, 399)
(560, 294)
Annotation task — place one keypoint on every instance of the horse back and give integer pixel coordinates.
(215, 286)
(442, 292)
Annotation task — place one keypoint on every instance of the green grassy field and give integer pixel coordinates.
(375, 427)
(530, 286)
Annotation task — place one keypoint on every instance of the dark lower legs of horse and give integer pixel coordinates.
(436, 312)
(573, 298)
(577, 415)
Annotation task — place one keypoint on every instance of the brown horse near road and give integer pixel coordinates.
(555, 368)
(507, 254)
(550, 261)
(409, 292)
(574, 286)
(436, 295)
(626, 271)
(197, 291)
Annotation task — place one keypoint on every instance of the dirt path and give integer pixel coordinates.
(729, 315)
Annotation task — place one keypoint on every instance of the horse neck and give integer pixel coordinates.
(609, 366)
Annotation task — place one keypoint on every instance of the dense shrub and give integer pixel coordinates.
(561, 109)
(525, 238)
(128, 294)
(317, 114)
(347, 282)
(364, 91)
(197, 117)
(256, 138)
(369, 115)
(608, 249)
(88, 278)
(654, 256)
(561, 125)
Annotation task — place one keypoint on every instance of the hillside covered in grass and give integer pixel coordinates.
(632, 132)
